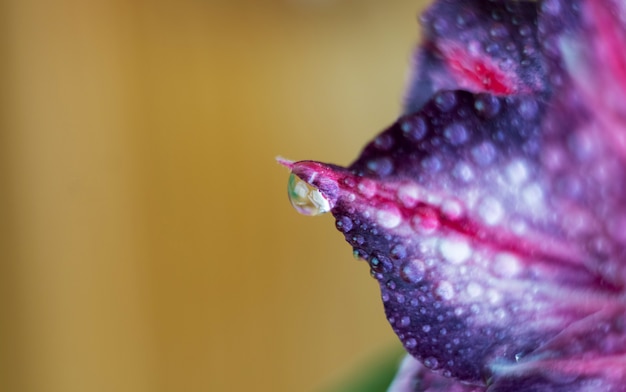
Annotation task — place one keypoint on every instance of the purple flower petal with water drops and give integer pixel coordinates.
(493, 212)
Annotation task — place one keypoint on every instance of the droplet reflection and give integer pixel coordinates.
(305, 198)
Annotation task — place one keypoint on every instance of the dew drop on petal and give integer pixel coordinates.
(389, 217)
(384, 142)
(484, 153)
(411, 343)
(455, 250)
(413, 271)
(431, 164)
(463, 172)
(408, 195)
(528, 109)
(344, 224)
(445, 290)
(305, 198)
(474, 290)
(426, 223)
(381, 166)
(445, 100)
(456, 133)
(404, 322)
(398, 252)
(517, 172)
(452, 209)
(506, 265)
(367, 188)
(431, 363)
(414, 129)
(487, 105)
(533, 195)
(491, 211)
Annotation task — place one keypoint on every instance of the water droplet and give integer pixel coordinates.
(389, 217)
(367, 188)
(463, 172)
(525, 31)
(445, 290)
(391, 285)
(500, 314)
(344, 224)
(484, 153)
(384, 142)
(455, 250)
(517, 172)
(456, 133)
(431, 163)
(491, 211)
(404, 322)
(425, 221)
(408, 195)
(528, 108)
(426, 328)
(411, 343)
(359, 240)
(533, 195)
(506, 265)
(380, 166)
(452, 209)
(400, 298)
(414, 128)
(413, 271)
(445, 100)
(487, 105)
(474, 289)
(376, 275)
(305, 198)
(431, 362)
(552, 7)
(498, 31)
(398, 252)
(440, 25)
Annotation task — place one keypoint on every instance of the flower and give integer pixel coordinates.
(493, 211)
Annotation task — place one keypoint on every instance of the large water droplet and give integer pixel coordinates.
(455, 250)
(305, 198)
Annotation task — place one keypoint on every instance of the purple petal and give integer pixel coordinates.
(588, 355)
(493, 213)
(478, 46)
(414, 377)
(459, 229)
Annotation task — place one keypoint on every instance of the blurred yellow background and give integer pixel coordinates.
(147, 241)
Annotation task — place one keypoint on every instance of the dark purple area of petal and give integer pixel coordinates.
(415, 377)
(477, 45)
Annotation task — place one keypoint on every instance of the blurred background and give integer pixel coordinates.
(147, 243)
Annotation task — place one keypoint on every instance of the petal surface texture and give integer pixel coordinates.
(493, 212)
